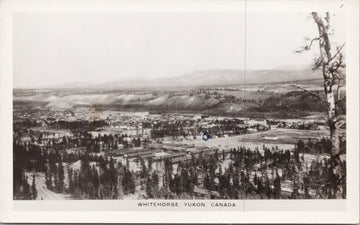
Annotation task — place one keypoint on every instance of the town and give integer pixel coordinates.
(91, 154)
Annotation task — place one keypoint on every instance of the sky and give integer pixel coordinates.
(89, 47)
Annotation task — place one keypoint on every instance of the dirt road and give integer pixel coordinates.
(42, 192)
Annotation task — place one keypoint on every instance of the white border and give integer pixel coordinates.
(347, 214)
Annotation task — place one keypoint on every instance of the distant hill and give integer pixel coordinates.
(204, 78)
(215, 78)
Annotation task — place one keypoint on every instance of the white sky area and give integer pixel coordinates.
(57, 48)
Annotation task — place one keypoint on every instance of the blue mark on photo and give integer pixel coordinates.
(206, 136)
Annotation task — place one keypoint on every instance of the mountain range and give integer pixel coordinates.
(204, 78)
(215, 78)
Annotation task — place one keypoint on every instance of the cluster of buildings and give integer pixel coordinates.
(297, 124)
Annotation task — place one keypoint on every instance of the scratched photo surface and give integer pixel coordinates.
(152, 105)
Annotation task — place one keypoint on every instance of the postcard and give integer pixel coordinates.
(179, 111)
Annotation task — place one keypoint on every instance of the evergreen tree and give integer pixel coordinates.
(26, 188)
(113, 178)
(277, 187)
(61, 177)
(155, 181)
(56, 182)
(70, 179)
(306, 181)
(143, 168)
(48, 180)
(33, 188)
(167, 173)
(94, 183)
(267, 187)
(149, 190)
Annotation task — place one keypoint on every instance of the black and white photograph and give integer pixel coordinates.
(159, 105)
(181, 106)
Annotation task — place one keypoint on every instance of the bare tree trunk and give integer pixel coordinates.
(333, 120)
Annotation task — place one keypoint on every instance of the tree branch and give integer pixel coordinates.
(309, 92)
(307, 47)
(339, 124)
(337, 52)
